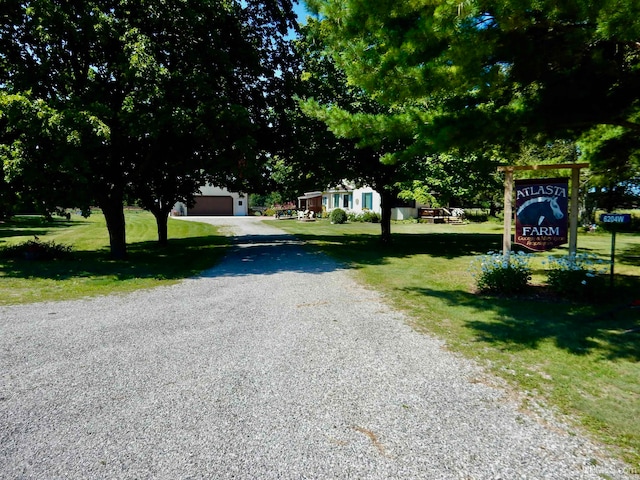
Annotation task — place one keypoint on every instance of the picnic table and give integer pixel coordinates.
(438, 215)
(285, 214)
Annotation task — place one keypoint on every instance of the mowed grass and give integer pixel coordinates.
(581, 359)
(192, 248)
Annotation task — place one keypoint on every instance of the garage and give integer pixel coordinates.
(212, 205)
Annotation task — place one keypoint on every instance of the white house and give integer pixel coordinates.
(215, 201)
(348, 197)
(357, 200)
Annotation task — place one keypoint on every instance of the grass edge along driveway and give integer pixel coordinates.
(193, 247)
(578, 359)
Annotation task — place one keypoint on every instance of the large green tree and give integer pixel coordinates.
(220, 82)
(337, 124)
(312, 156)
(387, 156)
(137, 99)
(614, 155)
(483, 72)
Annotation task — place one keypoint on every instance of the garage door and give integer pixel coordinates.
(212, 205)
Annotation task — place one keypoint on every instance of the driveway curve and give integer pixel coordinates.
(275, 364)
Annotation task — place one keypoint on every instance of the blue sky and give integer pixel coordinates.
(301, 11)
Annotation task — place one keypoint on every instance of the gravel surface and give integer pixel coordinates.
(275, 364)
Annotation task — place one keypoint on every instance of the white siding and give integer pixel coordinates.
(375, 200)
(403, 213)
(356, 206)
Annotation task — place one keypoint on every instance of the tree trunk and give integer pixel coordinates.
(385, 223)
(113, 211)
(162, 219)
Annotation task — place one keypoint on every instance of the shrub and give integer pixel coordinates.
(36, 250)
(366, 216)
(371, 217)
(270, 212)
(476, 216)
(338, 216)
(495, 274)
(577, 276)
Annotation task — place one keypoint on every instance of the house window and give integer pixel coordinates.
(367, 201)
(346, 200)
(324, 201)
(336, 200)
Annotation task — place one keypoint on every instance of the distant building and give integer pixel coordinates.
(357, 200)
(215, 201)
(311, 201)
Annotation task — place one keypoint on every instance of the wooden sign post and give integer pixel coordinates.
(573, 209)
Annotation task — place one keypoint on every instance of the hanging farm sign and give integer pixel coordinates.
(541, 213)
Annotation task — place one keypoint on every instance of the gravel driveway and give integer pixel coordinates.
(275, 364)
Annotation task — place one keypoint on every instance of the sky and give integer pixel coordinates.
(301, 11)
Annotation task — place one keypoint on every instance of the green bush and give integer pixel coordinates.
(366, 216)
(338, 216)
(497, 275)
(476, 216)
(371, 217)
(36, 250)
(580, 276)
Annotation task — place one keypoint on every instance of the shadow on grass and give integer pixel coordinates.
(367, 249)
(629, 256)
(30, 226)
(180, 259)
(609, 328)
(611, 331)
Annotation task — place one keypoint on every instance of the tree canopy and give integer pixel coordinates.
(111, 100)
(480, 72)
(387, 156)
(114, 99)
(338, 113)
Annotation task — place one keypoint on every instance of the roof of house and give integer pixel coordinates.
(308, 195)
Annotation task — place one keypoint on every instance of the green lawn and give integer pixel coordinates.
(192, 248)
(578, 358)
